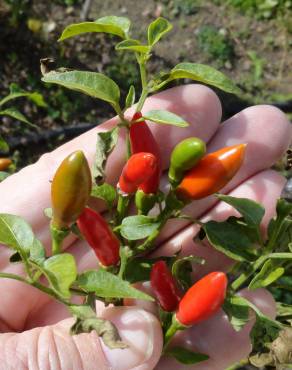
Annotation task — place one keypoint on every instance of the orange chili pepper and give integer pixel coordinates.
(211, 173)
(4, 163)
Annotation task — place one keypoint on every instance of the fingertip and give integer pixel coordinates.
(141, 331)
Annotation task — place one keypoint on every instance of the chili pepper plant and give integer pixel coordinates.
(125, 234)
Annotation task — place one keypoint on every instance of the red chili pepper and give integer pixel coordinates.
(203, 299)
(100, 237)
(211, 173)
(164, 286)
(139, 168)
(142, 140)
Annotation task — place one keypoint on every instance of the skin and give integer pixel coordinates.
(35, 328)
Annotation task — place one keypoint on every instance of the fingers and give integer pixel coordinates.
(52, 347)
(264, 187)
(216, 338)
(267, 132)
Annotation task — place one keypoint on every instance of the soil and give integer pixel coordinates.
(264, 75)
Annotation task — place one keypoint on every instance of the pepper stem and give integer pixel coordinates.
(122, 207)
(58, 235)
(171, 331)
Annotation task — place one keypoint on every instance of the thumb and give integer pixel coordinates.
(53, 348)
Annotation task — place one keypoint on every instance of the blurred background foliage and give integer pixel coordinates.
(249, 40)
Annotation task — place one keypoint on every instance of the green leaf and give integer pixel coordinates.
(186, 356)
(118, 26)
(268, 274)
(157, 29)
(237, 311)
(4, 147)
(205, 74)
(130, 99)
(37, 252)
(15, 233)
(277, 226)
(133, 45)
(138, 227)
(93, 84)
(252, 211)
(106, 141)
(165, 117)
(264, 331)
(34, 97)
(106, 285)
(4, 175)
(182, 269)
(14, 113)
(105, 192)
(229, 239)
(61, 271)
(138, 269)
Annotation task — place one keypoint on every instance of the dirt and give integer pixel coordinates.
(264, 75)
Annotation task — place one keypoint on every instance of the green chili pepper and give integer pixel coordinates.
(185, 156)
(70, 190)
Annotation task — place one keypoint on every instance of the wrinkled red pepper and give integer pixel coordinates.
(164, 286)
(99, 236)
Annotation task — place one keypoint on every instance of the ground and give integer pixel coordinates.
(252, 49)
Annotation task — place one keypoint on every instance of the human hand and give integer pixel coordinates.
(35, 328)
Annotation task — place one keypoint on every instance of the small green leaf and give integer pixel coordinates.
(105, 192)
(106, 285)
(14, 113)
(118, 26)
(61, 271)
(252, 211)
(138, 227)
(229, 239)
(93, 84)
(133, 45)
(186, 356)
(4, 175)
(268, 274)
(130, 99)
(277, 226)
(34, 97)
(165, 117)
(37, 252)
(237, 311)
(106, 141)
(157, 29)
(205, 74)
(15, 233)
(182, 269)
(4, 147)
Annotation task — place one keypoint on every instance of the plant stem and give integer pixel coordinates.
(143, 74)
(122, 207)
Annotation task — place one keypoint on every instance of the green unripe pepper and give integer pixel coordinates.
(70, 190)
(185, 156)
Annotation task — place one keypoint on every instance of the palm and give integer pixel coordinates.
(27, 193)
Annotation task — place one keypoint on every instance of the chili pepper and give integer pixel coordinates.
(212, 173)
(185, 156)
(4, 163)
(139, 168)
(99, 236)
(164, 286)
(203, 299)
(142, 140)
(70, 190)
